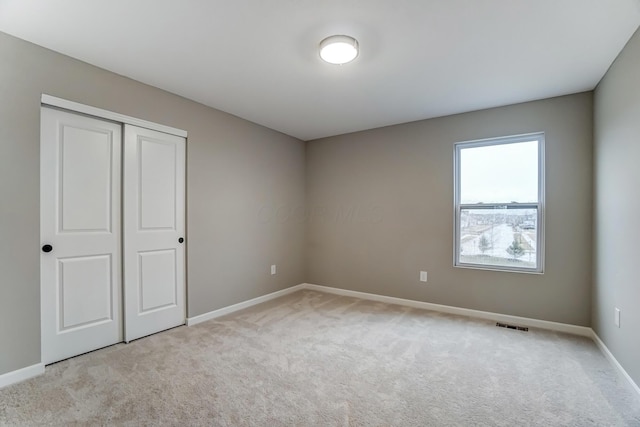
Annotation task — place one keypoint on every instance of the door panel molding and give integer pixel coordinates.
(80, 274)
(153, 222)
(109, 231)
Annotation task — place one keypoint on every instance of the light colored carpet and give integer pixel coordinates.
(311, 358)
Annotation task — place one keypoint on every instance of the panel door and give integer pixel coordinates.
(154, 226)
(80, 181)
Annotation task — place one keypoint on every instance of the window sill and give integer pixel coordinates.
(499, 269)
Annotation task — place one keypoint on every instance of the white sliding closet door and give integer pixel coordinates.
(154, 226)
(80, 234)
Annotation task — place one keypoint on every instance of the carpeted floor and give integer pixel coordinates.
(314, 359)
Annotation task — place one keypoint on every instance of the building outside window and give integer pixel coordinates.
(499, 203)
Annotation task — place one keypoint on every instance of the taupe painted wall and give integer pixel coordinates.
(381, 210)
(236, 173)
(617, 208)
(378, 203)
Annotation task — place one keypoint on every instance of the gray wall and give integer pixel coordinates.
(381, 209)
(617, 208)
(236, 173)
(378, 203)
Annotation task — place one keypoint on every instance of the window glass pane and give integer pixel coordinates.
(502, 173)
(499, 237)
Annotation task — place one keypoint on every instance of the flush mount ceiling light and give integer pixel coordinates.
(339, 49)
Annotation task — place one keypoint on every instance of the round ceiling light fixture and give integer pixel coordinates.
(339, 49)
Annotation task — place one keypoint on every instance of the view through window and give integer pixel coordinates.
(498, 203)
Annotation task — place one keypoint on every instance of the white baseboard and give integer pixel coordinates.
(38, 369)
(241, 305)
(614, 361)
(523, 321)
(487, 315)
(20, 375)
(520, 321)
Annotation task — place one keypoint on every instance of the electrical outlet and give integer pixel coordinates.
(273, 269)
(616, 318)
(423, 276)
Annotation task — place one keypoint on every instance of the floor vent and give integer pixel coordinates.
(506, 325)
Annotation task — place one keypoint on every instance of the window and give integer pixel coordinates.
(499, 203)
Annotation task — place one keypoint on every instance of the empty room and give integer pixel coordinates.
(319, 213)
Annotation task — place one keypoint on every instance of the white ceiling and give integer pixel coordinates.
(258, 59)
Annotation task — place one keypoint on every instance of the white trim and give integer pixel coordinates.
(109, 115)
(20, 375)
(539, 206)
(521, 321)
(611, 358)
(38, 369)
(241, 305)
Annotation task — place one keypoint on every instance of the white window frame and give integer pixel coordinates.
(458, 207)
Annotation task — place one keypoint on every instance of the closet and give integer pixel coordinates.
(112, 232)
